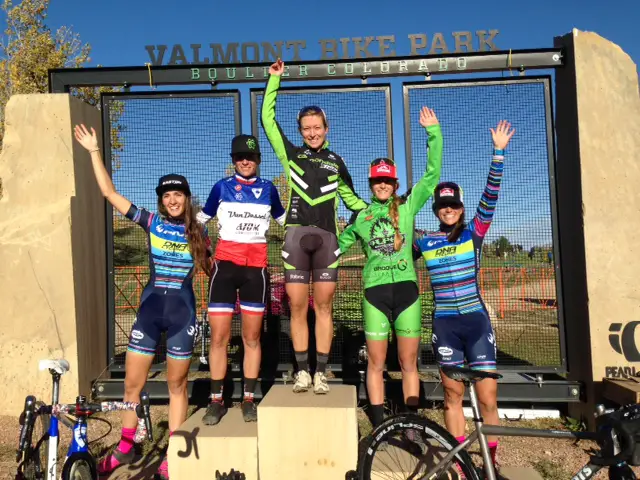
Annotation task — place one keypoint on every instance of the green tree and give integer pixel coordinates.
(29, 49)
(503, 245)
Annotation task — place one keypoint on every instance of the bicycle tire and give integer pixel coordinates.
(35, 456)
(80, 466)
(428, 428)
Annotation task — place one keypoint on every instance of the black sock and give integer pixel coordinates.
(377, 415)
(216, 390)
(321, 362)
(411, 409)
(302, 359)
(249, 388)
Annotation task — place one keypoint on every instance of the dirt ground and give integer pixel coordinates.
(553, 459)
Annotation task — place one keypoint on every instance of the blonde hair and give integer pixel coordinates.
(394, 214)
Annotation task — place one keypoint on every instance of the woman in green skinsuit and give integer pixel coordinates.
(385, 230)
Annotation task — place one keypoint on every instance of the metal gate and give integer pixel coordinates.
(153, 133)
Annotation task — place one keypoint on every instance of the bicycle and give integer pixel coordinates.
(399, 437)
(79, 464)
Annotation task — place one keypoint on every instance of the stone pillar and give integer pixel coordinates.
(598, 173)
(52, 251)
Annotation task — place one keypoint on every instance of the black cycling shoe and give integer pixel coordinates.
(215, 412)
(249, 411)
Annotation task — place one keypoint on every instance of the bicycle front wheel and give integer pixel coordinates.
(34, 458)
(408, 447)
(80, 466)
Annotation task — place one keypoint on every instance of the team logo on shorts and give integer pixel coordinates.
(137, 334)
(445, 351)
(434, 338)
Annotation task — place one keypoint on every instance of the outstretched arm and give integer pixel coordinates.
(347, 238)
(277, 210)
(487, 206)
(421, 192)
(90, 142)
(210, 208)
(277, 138)
(347, 192)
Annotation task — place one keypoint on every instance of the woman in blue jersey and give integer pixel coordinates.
(178, 246)
(462, 330)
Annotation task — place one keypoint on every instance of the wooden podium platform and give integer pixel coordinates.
(297, 436)
(306, 435)
(197, 450)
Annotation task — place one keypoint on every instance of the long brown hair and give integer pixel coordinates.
(194, 232)
(457, 229)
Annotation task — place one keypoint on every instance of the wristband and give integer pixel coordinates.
(497, 151)
(94, 150)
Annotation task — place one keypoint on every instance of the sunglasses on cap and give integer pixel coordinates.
(238, 157)
(379, 180)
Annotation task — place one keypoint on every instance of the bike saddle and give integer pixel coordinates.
(463, 373)
(59, 366)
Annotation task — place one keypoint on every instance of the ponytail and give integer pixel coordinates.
(395, 221)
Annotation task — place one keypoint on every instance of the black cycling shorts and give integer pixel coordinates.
(310, 250)
(165, 309)
(228, 280)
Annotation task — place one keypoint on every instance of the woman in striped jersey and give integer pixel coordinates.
(178, 246)
(462, 330)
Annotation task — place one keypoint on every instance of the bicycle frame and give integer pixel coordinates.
(482, 431)
(54, 431)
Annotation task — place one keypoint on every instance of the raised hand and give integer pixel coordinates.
(428, 117)
(277, 68)
(502, 134)
(86, 139)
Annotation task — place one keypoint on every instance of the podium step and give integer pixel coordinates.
(304, 435)
(197, 448)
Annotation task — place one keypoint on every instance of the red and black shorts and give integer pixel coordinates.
(228, 280)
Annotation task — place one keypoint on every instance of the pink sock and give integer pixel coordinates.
(493, 447)
(126, 440)
(461, 438)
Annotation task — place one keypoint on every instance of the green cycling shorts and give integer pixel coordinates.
(392, 303)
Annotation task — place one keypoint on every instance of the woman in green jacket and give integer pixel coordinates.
(385, 230)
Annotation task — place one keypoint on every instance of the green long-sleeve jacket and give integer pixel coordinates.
(374, 229)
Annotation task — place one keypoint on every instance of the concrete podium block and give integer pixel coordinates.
(197, 450)
(303, 435)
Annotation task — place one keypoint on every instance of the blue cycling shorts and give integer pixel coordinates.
(163, 310)
(464, 338)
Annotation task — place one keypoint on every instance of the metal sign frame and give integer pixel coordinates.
(61, 80)
(105, 102)
(545, 80)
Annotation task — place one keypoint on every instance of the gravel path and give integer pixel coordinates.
(553, 459)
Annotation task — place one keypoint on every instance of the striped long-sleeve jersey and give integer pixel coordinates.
(453, 266)
(170, 260)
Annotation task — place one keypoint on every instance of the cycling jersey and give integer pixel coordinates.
(453, 266)
(170, 262)
(167, 302)
(244, 207)
(316, 177)
(374, 228)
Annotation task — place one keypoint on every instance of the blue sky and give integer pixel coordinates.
(119, 33)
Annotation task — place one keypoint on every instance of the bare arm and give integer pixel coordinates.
(90, 142)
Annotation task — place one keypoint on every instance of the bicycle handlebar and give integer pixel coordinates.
(82, 409)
